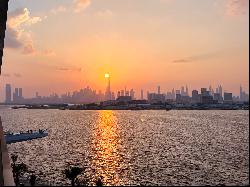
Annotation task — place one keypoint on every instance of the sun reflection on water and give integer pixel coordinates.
(107, 160)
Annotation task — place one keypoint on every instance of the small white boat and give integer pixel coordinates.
(19, 137)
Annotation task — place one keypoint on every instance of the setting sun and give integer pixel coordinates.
(107, 75)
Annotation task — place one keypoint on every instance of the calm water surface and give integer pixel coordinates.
(136, 147)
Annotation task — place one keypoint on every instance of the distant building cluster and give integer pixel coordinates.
(205, 96)
(16, 97)
(87, 95)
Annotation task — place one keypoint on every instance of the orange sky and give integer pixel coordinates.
(52, 47)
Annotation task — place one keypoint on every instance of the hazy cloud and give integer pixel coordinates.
(48, 52)
(104, 14)
(180, 61)
(200, 57)
(16, 34)
(80, 5)
(12, 39)
(59, 9)
(6, 75)
(28, 49)
(73, 69)
(21, 17)
(237, 7)
(17, 75)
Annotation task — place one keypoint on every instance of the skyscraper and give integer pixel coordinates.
(118, 94)
(15, 95)
(220, 90)
(187, 91)
(122, 93)
(173, 94)
(8, 93)
(159, 89)
(182, 91)
(141, 94)
(203, 91)
(20, 94)
(195, 96)
(108, 94)
(132, 94)
(241, 93)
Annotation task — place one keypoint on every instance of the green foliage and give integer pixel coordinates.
(18, 169)
(72, 173)
(14, 158)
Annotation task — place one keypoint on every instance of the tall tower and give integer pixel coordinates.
(141, 94)
(187, 91)
(8, 93)
(241, 93)
(159, 90)
(20, 92)
(182, 91)
(108, 94)
(220, 90)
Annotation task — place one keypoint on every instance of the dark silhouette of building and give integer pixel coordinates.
(8, 93)
(159, 90)
(228, 97)
(195, 96)
(124, 99)
(156, 98)
(142, 94)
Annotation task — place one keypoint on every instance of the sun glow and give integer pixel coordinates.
(107, 75)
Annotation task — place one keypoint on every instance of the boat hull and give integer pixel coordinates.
(23, 137)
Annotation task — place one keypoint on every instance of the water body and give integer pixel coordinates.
(136, 147)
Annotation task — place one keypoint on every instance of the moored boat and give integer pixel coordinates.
(29, 135)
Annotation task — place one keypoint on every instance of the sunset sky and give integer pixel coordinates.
(64, 45)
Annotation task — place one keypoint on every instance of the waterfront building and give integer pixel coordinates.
(127, 93)
(228, 97)
(182, 91)
(20, 92)
(217, 97)
(142, 94)
(124, 99)
(187, 94)
(177, 92)
(203, 91)
(122, 93)
(173, 94)
(8, 93)
(220, 90)
(185, 99)
(169, 95)
(132, 94)
(118, 94)
(195, 96)
(156, 98)
(15, 96)
(113, 96)
(108, 94)
(178, 98)
(159, 90)
(207, 99)
(241, 93)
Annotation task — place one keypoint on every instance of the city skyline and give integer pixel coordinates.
(167, 48)
(89, 95)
